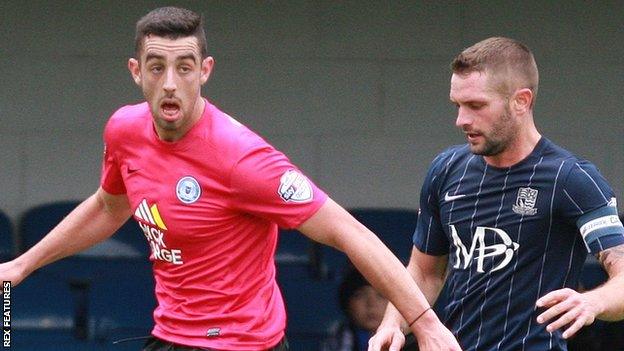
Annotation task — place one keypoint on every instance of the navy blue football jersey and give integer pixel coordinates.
(512, 235)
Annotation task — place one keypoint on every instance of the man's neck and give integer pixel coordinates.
(517, 151)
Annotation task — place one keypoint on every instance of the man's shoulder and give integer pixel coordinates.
(459, 149)
(125, 122)
(579, 177)
(130, 114)
(450, 155)
(565, 159)
(132, 111)
(229, 141)
(553, 151)
(231, 136)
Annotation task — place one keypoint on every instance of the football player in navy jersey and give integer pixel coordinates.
(507, 220)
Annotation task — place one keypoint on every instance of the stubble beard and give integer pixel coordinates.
(498, 139)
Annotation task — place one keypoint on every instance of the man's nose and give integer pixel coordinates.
(170, 80)
(463, 118)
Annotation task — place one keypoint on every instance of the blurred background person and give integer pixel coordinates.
(363, 308)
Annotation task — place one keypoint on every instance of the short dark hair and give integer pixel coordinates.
(171, 23)
(507, 60)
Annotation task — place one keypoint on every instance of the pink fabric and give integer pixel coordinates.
(209, 205)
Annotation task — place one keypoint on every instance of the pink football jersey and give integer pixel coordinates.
(209, 206)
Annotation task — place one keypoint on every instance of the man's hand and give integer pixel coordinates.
(11, 271)
(387, 338)
(430, 333)
(567, 308)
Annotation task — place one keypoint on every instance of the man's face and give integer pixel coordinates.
(171, 72)
(483, 114)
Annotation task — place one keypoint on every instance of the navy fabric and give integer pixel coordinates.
(512, 236)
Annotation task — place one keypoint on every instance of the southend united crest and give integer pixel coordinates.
(525, 202)
(188, 190)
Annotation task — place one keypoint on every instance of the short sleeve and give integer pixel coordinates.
(111, 180)
(429, 237)
(265, 183)
(590, 202)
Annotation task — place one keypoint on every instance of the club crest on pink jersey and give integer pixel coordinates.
(188, 190)
(295, 187)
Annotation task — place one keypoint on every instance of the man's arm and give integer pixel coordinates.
(334, 226)
(429, 273)
(610, 294)
(577, 310)
(91, 222)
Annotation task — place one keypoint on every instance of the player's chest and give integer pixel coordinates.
(496, 200)
(487, 224)
(184, 191)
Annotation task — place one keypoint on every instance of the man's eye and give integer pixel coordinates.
(476, 106)
(185, 69)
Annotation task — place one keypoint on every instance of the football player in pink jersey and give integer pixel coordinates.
(209, 195)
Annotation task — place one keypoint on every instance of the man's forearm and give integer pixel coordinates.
(609, 295)
(430, 287)
(333, 226)
(88, 224)
(385, 272)
(393, 318)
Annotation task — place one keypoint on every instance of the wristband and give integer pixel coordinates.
(420, 315)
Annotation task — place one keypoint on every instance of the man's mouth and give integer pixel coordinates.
(170, 110)
(471, 136)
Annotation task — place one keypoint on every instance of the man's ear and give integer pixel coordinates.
(206, 69)
(135, 70)
(522, 101)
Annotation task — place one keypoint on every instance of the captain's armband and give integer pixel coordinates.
(601, 229)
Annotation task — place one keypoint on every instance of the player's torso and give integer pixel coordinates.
(180, 196)
(179, 193)
(173, 200)
(488, 214)
(507, 247)
(213, 260)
